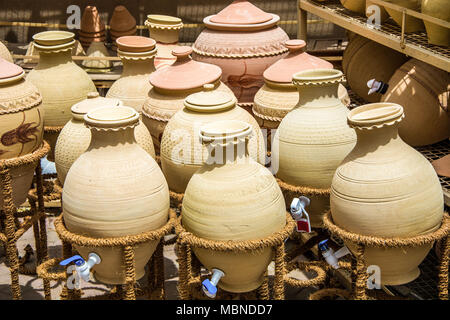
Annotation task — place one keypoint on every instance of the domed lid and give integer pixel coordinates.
(224, 131)
(297, 60)
(185, 73)
(122, 20)
(241, 12)
(107, 118)
(53, 38)
(163, 21)
(375, 115)
(209, 100)
(91, 22)
(93, 101)
(135, 44)
(9, 71)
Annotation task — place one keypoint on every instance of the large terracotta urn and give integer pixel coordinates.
(172, 84)
(182, 154)
(115, 189)
(385, 188)
(364, 60)
(244, 41)
(233, 198)
(313, 138)
(412, 24)
(279, 95)
(59, 80)
(438, 9)
(21, 125)
(75, 137)
(358, 6)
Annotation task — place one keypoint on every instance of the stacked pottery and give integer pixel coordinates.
(313, 138)
(4, 53)
(424, 92)
(115, 189)
(59, 80)
(182, 154)
(75, 137)
(438, 9)
(21, 125)
(165, 31)
(97, 50)
(244, 41)
(171, 85)
(358, 6)
(122, 24)
(92, 27)
(412, 24)
(385, 188)
(279, 95)
(233, 198)
(77, 50)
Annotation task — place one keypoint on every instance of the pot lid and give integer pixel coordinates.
(209, 100)
(297, 60)
(135, 44)
(185, 73)
(9, 70)
(94, 101)
(224, 131)
(108, 118)
(53, 38)
(241, 12)
(160, 20)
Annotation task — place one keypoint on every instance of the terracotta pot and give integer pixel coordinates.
(383, 13)
(97, 49)
(313, 138)
(424, 92)
(171, 85)
(60, 81)
(115, 189)
(385, 188)
(135, 44)
(182, 153)
(4, 53)
(118, 34)
(91, 22)
(439, 9)
(411, 24)
(364, 60)
(242, 47)
(21, 125)
(358, 6)
(251, 206)
(122, 20)
(77, 50)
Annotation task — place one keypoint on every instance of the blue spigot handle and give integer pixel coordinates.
(323, 246)
(78, 260)
(211, 288)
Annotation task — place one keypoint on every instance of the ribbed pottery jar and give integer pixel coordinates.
(313, 138)
(182, 154)
(75, 137)
(244, 41)
(59, 80)
(412, 24)
(424, 92)
(233, 198)
(364, 60)
(21, 125)
(385, 188)
(171, 85)
(358, 6)
(279, 95)
(439, 9)
(115, 189)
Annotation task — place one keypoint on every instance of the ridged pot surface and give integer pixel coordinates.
(439, 9)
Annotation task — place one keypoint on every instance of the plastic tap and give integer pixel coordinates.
(83, 267)
(299, 213)
(377, 86)
(210, 286)
(331, 257)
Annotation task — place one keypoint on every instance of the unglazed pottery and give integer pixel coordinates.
(21, 125)
(122, 21)
(171, 85)
(358, 6)
(364, 60)
(77, 50)
(313, 138)
(4, 53)
(59, 80)
(92, 26)
(439, 9)
(385, 188)
(424, 92)
(233, 198)
(242, 47)
(97, 49)
(182, 154)
(412, 24)
(115, 189)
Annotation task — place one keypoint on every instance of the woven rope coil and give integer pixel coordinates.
(330, 293)
(55, 129)
(26, 159)
(302, 189)
(318, 268)
(43, 272)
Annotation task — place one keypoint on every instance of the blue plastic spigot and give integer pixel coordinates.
(78, 260)
(323, 245)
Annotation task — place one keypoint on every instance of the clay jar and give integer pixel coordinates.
(122, 23)
(385, 188)
(182, 154)
(171, 85)
(75, 137)
(92, 27)
(115, 189)
(412, 24)
(279, 95)
(233, 198)
(59, 80)
(358, 6)
(21, 125)
(439, 9)
(313, 138)
(244, 41)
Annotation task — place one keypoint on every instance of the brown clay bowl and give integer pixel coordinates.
(135, 44)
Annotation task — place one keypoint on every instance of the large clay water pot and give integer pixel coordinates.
(21, 125)
(244, 41)
(115, 189)
(411, 24)
(385, 188)
(182, 154)
(424, 93)
(313, 138)
(358, 6)
(233, 198)
(439, 9)
(59, 80)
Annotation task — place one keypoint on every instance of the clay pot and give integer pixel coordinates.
(171, 85)
(383, 13)
(77, 50)
(115, 189)
(118, 34)
(53, 38)
(364, 60)
(92, 26)
(439, 9)
(385, 188)
(358, 6)
(279, 95)
(4, 53)
(21, 126)
(135, 44)
(313, 138)
(411, 24)
(97, 49)
(251, 206)
(424, 92)
(242, 47)
(182, 153)
(122, 20)
(59, 80)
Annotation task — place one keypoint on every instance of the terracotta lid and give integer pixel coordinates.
(9, 70)
(135, 44)
(91, 21)
(93, 101)
(209, 100)
(297, 60)
(185, 73)
(122, 20)
(375, 115)
(241, 12)
(163, 21)
(107, 118)
(53, 38)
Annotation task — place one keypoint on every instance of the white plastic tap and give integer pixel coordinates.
(331, 257)
(82, 267)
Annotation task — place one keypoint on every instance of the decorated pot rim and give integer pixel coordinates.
(137, 55)
(317, 77)
(56, 48)
(161, 21)
(241, 27)
(108, 118)
(53, 37)
(224, 131)
(375, 115)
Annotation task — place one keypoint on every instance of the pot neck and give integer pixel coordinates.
(385, 139)
(318, 96)
(230, 153)
(112, 138)
(138, 67)
(50, 58)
